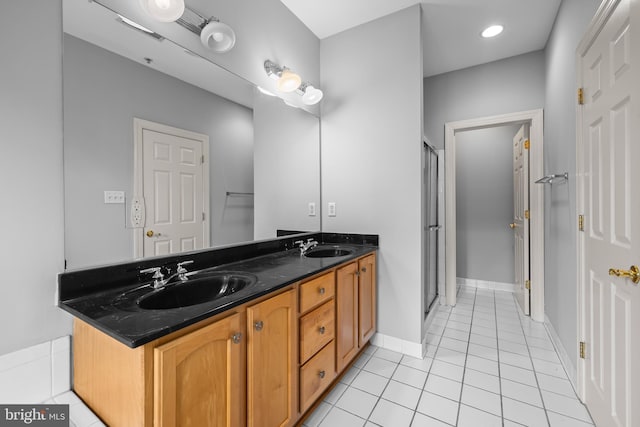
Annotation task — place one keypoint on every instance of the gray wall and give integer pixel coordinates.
(371, 155)
(484, 203)
(103, 92)
(31, 216)
(500, 87)
(560, 154)
(286, 167)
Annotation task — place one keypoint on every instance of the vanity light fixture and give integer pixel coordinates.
(217, 36)
(163, 10)
(214, 35)
(310, 94)
(286, 80)
(492, 31)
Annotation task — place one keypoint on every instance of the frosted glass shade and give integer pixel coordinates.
(312, 95)
(163, 10)
(218, 37)
(288, 81)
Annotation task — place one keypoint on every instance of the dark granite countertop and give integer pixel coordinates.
(111, 307)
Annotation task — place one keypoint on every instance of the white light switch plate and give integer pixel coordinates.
(312, 209)
(114, 197)
(332, 209)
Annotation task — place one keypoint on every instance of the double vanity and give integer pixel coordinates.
(251, 334)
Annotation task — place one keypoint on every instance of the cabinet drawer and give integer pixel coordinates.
(316, 375)
(317, 328)
(316, 291)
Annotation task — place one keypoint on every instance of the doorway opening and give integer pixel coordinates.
(534, 120)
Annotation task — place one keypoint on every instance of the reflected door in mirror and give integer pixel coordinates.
(173, 187)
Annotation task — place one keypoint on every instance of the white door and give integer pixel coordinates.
(174, 190)
(608, 150)
(520, 224)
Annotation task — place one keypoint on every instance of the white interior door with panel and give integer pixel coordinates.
(520, 224)
(609, 246)
(172, 178)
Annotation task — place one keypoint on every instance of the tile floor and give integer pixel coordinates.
(486, 365)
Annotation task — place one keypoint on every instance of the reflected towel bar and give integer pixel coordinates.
(548, 179)
(236, 193)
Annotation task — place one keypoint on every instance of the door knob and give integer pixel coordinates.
(633, 273)
(512, 225)
(150, 233)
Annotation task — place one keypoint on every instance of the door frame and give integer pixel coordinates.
(536, 200)
(606, 8)
(139, 125)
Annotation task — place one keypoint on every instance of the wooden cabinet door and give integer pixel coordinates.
(272, 362)
(199, 379)
(346, 314)
(366, 299)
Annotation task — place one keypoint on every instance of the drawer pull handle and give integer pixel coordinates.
(236, 338)
(322, 291)
(258, 325)
(321, 374)
(321, 329)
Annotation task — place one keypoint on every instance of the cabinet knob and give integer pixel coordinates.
(322, 291)
(321, 374)
(236, 338)
(322, 329)
(364, 269)
(258, 325)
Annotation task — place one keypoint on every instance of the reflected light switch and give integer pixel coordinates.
(312, 209)
(114, 197)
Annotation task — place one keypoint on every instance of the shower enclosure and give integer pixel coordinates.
(431, 225)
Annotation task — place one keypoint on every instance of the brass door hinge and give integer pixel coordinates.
(527, 284)
(581, 222)
(582, 351)
(581, 96)
(527, 144)
(526, 214)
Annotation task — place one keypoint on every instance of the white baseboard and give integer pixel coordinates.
(409, 348)
(486, 284)
(566, 360)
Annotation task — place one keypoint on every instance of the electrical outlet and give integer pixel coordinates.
(137, 212)
(312, 209)
(332, 209)
(114, 197)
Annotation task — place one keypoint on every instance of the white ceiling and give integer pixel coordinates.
(451, 28)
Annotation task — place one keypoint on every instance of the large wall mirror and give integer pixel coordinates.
(263, 156)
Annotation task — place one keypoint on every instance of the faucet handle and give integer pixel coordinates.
(157, 272)
(298, 242)
(181, 265)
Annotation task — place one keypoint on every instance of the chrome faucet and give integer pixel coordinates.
(304, 247)
(160, 282)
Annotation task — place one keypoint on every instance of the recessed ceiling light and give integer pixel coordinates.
(492, 31)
